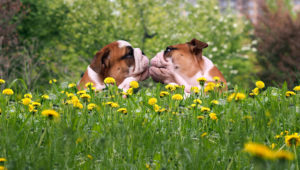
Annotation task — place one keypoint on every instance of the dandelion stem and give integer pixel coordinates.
(296, 158)
(42, 137)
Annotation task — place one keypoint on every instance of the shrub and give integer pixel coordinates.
(279, 44)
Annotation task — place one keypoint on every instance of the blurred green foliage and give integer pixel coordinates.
(70, 32)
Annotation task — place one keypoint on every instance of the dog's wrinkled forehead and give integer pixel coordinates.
(122, 43)
(178, 50)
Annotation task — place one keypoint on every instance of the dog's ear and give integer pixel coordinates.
(197, 46)
(101, 61)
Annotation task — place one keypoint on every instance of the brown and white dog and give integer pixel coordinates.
(182, 64)
(120, 61)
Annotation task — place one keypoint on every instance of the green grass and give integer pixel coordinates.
(142, 137)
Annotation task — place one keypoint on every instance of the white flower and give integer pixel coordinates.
(254, 42)
(214, 49)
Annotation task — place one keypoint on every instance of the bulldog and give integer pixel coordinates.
(118, 60)
(182, 64)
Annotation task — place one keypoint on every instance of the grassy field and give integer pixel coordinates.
(61, 128)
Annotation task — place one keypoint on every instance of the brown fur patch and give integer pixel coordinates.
(110, 62)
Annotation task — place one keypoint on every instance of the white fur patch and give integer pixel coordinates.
(123, 43)
(95, 77)
(138, 61)
(208, 65)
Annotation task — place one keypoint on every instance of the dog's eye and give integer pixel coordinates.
(127, 56)
(168, 49)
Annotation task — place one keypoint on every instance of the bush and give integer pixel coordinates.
(279, 44)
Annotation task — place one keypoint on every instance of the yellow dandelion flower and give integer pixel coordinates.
(52, 81)
(193, 105)
(171, 87)
(284, 155)
(177, 97)
(216, 102)
(71, 85)
(162, 110)
(26, 101)
(195, 89)
(258, 150)
(204, 134)
(109, 80)
(28, 95)
(201, 80)
(114, 105)
(197, 101)
(3, 168)
(290, 93)
(85, 96)
(134, 84)
(77, 105)
(293, 139)
(78, 140)
(81, 92)
(216, 78)
(8, 92)
(122, 110)
(277, 136)
(213, 116)
(205, 109)
(45, 96)
(3, 160)
(108, 103)
(209, 87)
(200, 117)
(36, 104)
(273, 145)
(156, 107)
(163, 93)
(260, 84)
(89, 85)
(2, 81)
(130, 91)
(255, 92)
(152, 101)
(31, 108)
(91, 106)
(50, 114)
(297, 88)
(90, 156)
(236, 97)
(247, 117)
(70, 95)
(147, 166)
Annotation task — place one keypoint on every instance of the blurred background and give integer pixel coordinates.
(248, 39)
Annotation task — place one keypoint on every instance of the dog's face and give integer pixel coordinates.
(184, 60)
(120, 61)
